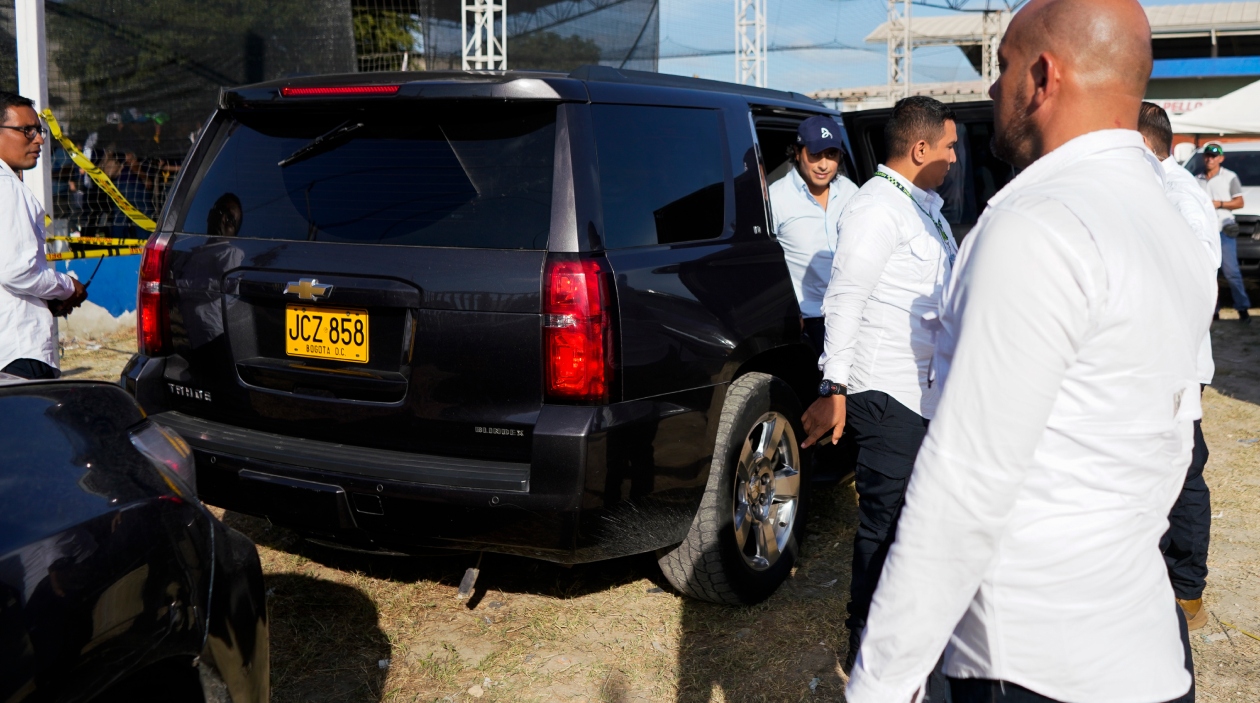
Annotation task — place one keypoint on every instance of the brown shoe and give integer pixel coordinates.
(1196, 615)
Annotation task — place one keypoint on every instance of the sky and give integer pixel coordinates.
(690, 27)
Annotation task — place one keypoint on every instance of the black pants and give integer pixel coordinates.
(1185, 544)
(888, 435)
(31, 368)
(989, 691)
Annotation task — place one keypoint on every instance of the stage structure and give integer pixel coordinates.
(485, 49)
(750, 42)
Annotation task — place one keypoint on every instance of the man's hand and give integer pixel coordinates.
(824, 418)
(76, 298)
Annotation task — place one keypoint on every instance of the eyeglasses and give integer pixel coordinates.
(29, 131)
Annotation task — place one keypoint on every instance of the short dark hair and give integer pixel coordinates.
(915, 118)
(1154, 124)
(8, 100)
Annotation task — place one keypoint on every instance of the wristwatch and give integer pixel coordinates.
(826, 389)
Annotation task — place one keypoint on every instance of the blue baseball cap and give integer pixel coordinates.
(819, 133)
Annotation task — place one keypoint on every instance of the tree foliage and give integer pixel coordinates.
(548, 50)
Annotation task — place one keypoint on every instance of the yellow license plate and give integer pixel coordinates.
(338, 334)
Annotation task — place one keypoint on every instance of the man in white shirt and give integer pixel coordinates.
(806, 205)
(893, 256)
(28, 334)
(1223, 187)
(1185, 545)
(1028, 547)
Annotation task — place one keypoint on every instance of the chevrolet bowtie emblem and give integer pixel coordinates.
(308, 289)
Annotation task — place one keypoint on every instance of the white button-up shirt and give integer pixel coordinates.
(1029, 539)
(888, 274)
(807, 234)
(1192, 201)
(27, 329)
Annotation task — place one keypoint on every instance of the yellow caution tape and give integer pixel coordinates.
(98, 176)
(94, 253)
(99, 241)
(1239, 629)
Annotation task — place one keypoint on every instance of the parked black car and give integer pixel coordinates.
(523, 312)
(116, 583)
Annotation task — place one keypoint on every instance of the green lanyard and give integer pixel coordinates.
(950, 247)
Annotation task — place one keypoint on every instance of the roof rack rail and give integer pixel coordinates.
(608, 74)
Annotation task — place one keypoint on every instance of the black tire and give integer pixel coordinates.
(710, 564)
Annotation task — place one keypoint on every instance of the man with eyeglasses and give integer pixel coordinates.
(28, 334)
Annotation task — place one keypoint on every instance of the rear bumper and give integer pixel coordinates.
(602, 482)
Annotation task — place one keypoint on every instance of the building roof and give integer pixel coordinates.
(1166, 21)
(877, 95)
(950, 29)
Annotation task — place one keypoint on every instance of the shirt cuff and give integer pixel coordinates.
(65, 284)
(836, 371)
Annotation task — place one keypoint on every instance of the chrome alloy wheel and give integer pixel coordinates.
(767, 491)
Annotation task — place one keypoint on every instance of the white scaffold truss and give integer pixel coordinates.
(750, 42)
(900, 49)
(485, 48)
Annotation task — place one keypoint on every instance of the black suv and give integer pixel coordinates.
(523, 312)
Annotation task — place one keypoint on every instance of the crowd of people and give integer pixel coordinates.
(1033, 519)
(144, 179)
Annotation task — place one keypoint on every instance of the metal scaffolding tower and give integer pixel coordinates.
(485, 49)
(900, 48)
(990, 38)
(750, 42)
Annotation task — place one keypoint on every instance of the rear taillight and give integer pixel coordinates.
(577, 334)
(151, 316)
(325, 91)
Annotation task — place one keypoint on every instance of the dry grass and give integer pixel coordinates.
(611, 632)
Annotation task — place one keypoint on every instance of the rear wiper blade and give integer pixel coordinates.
(322, 143)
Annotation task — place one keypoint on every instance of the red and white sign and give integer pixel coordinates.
(1178, 106)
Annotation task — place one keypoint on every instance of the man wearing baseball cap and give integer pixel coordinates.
(1223, 187)
(805, 207)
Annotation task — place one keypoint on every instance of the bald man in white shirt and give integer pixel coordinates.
(1028, 546)
(28, 334)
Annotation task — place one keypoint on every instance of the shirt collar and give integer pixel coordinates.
(1071, 151)
(5, 168)
(927, 198)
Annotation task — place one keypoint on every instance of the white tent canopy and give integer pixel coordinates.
(1236, 113)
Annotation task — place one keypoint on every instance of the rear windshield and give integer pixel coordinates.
(426, 175)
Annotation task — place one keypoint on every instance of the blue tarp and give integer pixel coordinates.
(114, 287)
(1207, 68)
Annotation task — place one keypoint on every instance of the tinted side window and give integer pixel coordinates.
(661, 174)
(402, 175)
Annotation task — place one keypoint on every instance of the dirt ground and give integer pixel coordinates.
(348, 627)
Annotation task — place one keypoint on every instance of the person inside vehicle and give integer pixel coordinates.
(1028, 547)
(1223, 187)
(806, 206)
(894, 253)
(1185, 545)
(28, 345)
